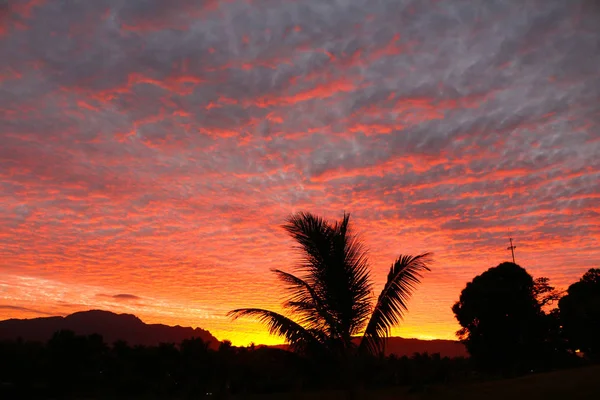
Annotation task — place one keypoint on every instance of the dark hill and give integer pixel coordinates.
(131, 329)
(111, 326)
(407, 347)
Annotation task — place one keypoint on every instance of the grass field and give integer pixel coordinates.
(573, 384)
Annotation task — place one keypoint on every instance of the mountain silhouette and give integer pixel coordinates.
(131, 329)
(111, 326)
(400, 347)
(407, 347)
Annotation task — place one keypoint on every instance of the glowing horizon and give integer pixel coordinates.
(150, 150)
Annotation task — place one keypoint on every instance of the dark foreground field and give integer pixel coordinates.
(573, 384)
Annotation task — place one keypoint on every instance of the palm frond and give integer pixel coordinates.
(336, 268)
(313, 234)
(307, 303)
(296, 335)
(357, 266)
(351, 278)
(405, 274)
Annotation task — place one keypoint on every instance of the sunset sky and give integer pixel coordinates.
(150, 150)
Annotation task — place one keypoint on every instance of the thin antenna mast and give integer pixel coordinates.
(512, 249)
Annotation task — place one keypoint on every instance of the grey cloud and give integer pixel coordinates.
(125, 296)
(121, 296)
(24, 309)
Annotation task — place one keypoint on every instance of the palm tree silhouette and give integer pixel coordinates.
(331, 294)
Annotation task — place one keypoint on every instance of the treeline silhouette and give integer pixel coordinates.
(509, 328)
(78, 366)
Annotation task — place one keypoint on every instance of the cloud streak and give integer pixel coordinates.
(22, 310)
(157, 148)
(121, 296)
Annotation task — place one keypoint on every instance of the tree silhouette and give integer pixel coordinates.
(503, 326)
(580, 314)
(330, 294)
(545, 293)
